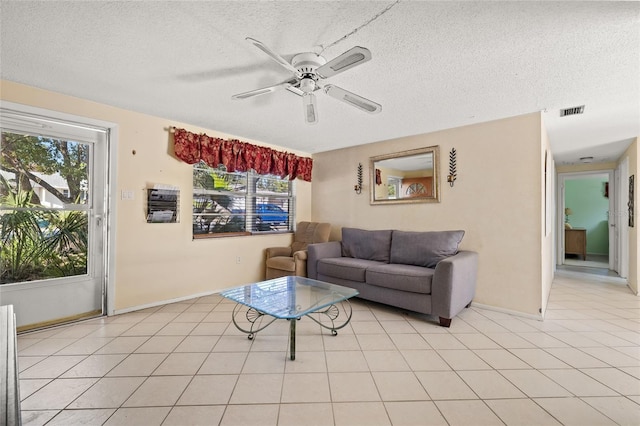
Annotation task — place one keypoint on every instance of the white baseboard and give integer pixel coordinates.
(162, 302)
(538, 317)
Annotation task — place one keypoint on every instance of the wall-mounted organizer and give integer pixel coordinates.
(162, 205)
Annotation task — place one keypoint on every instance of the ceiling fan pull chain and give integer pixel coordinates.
(385, 10)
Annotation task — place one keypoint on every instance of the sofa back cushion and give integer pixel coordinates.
(364, 244)
(424, 248)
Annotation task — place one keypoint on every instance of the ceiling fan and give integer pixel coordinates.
(309, 70)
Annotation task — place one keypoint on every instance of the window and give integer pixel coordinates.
(240, 203)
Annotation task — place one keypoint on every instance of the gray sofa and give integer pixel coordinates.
(419, 271)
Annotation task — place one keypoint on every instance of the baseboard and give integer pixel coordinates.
(507, 311)
(162, 302)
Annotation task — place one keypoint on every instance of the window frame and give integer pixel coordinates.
(242, 195)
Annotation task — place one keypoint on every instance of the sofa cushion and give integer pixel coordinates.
(346, 268)
(364, 244)
(415, 279)
(424, 248)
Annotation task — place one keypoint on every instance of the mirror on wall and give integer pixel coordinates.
(405, 177)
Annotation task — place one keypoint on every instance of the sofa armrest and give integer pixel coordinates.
(454, 284)
(320, 251)
(278, 251)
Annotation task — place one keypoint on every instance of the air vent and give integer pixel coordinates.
(572, 111)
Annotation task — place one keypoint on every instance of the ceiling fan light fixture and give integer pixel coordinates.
(309, 104)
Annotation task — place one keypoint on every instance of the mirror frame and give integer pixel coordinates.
(435, 198)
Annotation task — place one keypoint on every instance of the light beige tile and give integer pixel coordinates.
(520, 412)
(197, 344)
(489, 384)
(37, 418)
(85, 346)
(266, 362)
(210, 329)
(81, 417)
(634, 371)
(122, 345)
(51, 367)
(159, 344)
(341, 342)
(576, 358)
(573, 411)
(415, 413)
(255, 414)
(233, 344)
(424, 360)
(223, 363)
(209, 390)
(375, 342)
(307, 362)
(543, 340)
(194, 416)
(443, 341)
(25, 362)
(158, 391)
(111, 330)
(413, 341)
(57, 394)
(351, 361)
(534, 383)
(144, 329)
(353, 387)
(180, 364)
(366, 327)
(160, 317)
(397, 327)
(29, 386)
(442, 385)
(578, 383)
(501, 358)
(137, 365)
(147, 416)
(201, 307)
(539, 358)
(463, 359)
(476, 341)
(190, 317)
(617, 380)
(271, 343)
(94, 366)
(305, 387)
(320, 414)
(47, 347)
(385, 361)
(467, 413)
(619, 409)
(399, 386)
(257, 389)
(108, 392)
(510, 340)
(612, 357)
(177, 329)
(175, 307)
(360, 414)
(488, 326)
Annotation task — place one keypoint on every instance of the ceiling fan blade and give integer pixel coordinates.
(279, 59)
(352, 99)
(349, 59)
(310, 108)
(264, 90)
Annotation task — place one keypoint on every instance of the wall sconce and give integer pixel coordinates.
(452, 167)
(358, 186)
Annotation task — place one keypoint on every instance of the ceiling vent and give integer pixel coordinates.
(572, 111)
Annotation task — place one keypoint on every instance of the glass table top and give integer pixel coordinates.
(289, 297)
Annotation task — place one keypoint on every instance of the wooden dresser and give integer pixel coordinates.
(575, 242)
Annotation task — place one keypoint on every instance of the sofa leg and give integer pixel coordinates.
(445, 322)
(469, 304)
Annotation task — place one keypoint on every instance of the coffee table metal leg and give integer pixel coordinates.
(292, 337)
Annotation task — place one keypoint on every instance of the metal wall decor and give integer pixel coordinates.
(358, 186)
(630, 204)
(452, 167)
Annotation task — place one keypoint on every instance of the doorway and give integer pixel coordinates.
(588, 229)
(53, 211)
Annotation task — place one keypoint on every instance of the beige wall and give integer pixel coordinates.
(633, 153)
(497, 199)
(158, 262)
(548, 219)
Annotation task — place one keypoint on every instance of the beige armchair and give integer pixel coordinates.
(283, 261)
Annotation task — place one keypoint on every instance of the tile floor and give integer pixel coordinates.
(186, 364)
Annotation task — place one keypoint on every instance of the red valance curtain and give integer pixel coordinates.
(239, 156)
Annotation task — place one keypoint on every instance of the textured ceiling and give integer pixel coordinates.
(435, 65)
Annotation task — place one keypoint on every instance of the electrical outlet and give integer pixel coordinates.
(238, 259)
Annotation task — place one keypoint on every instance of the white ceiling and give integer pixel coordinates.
(435, 65)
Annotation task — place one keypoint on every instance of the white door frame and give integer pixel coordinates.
(108, 299)
(613, 230)
(621, 213)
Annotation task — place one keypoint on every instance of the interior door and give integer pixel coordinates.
(52, 218)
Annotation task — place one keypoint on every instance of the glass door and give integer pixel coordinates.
(52, 211)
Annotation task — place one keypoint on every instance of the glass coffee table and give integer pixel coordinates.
(290, 298)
